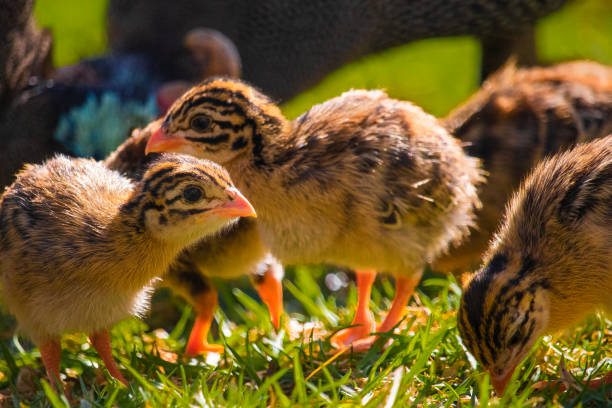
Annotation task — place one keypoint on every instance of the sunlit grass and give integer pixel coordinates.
(424, 365)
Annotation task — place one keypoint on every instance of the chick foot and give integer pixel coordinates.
(363, 320)
(101, 342)
(404, 288)
(198, 339)
(270, 289)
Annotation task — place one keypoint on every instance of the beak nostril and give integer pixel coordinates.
(231, 192)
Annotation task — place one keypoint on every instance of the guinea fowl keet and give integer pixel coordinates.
(516, 119)
(80, 245)
(229, 254)
(362, 181)
(548, 266)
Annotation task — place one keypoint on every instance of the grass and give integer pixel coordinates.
(425, 365)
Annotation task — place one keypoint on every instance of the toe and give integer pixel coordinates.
(346, 337)
(204, 348)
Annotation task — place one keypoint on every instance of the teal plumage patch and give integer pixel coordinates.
(102, 123)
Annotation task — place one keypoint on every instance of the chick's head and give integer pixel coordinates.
(219, 120)
(184, 198)
(504, 310)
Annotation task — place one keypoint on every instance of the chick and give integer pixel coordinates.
(549, 264)
(232, 253)
(361, 181)
(515, 120)
(80, 244)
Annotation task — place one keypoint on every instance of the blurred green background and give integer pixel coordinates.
(436, 74)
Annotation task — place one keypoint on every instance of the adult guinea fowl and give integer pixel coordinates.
(287, 46)
(25, 50)
(362, 181)
(80, 245)
(151, 40)
(89, 108)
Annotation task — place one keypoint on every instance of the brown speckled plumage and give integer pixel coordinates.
(79, 238)
(366, 165)
(80, 244)
(548, 265)
(516, 119)
(231, 253)
(361, 180)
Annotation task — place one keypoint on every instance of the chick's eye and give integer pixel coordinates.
(201, 123)
(193, 194)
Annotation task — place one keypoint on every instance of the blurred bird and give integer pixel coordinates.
(89, 108)
(80, 245)
(25, 50)
(287, 46)
(518, 117)
(362, 181)
(549, 263)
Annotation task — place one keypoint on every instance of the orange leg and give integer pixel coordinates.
(101, 342)
(404, 288)
(51, 353)
(270, 289)
(205, 305)
(363, 318)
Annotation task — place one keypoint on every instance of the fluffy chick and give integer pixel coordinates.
(361, 181)
(80, 244)
(549, 264)
(230, 254)
(517, 118)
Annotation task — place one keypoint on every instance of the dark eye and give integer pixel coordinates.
(200, 123)
(192, 194)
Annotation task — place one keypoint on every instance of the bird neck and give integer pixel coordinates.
(575, 294)
(272, 138)
(263, 169)
(141, 255)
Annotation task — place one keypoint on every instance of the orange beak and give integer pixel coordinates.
(238, 207)
(500, 382)
(160, 142)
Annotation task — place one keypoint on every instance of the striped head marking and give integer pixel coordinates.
(219, 120)
(503, 311)
(183, 198)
